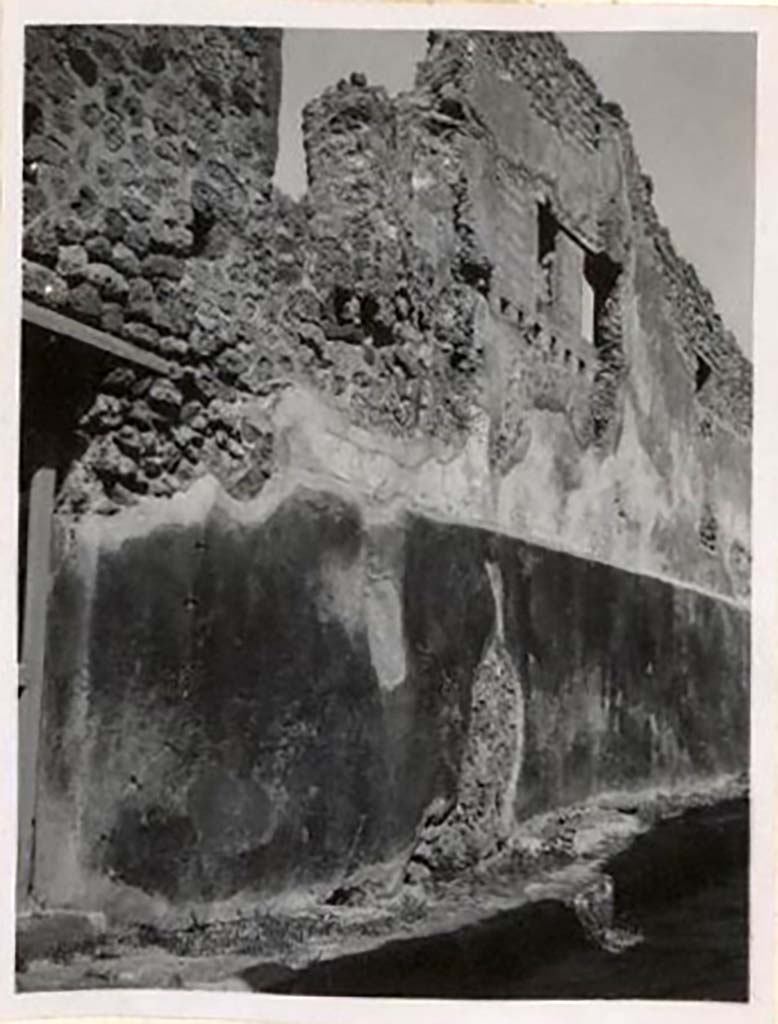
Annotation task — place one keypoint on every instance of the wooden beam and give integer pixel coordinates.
(36, 596)
(69, 328)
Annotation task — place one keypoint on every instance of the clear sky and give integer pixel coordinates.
(689, 98)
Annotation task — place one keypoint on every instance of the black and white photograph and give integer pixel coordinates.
(384, 534)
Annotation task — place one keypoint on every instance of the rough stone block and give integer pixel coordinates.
(138, 238)
(141, 334)
(124, 260)
(72, 261)
(85, 301)
(41, 241)
(141, 299)
(41, 283)
(113, 317)
(160, 265)
(109, 282)
(99, 248)
(164, 395)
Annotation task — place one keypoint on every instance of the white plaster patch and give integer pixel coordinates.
(383, 609)
(342, 594)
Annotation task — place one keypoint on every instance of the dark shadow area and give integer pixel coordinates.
(703, 371)
(601, 274)
(60, 379)
(548, 226)
(684, 885)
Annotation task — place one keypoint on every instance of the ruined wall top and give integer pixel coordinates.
(563, 94)
(407, 290)
(618, 418)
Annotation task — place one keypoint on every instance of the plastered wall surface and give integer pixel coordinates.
(447, 487)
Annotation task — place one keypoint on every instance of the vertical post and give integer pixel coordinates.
(38, 572)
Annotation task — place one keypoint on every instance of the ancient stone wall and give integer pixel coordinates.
(433, 283)
(224, 724)
(518, 210)
(148, 160)
(427, 439)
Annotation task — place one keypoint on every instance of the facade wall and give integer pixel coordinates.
(390, 497)
(247, 701)
(619, 454)
(148, 161)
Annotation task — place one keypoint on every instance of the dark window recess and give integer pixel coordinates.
(701, 374)
(548, 228)
(601, 274)
(547, 231)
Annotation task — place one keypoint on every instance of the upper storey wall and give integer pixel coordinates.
(503, 203)
(548, 125)
(477, 267)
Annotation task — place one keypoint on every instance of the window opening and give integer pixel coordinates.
(702, 373)
(548, 227)
(600, 276)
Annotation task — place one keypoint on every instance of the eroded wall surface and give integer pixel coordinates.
(440, 516)
(249, 700)
(438, 273)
